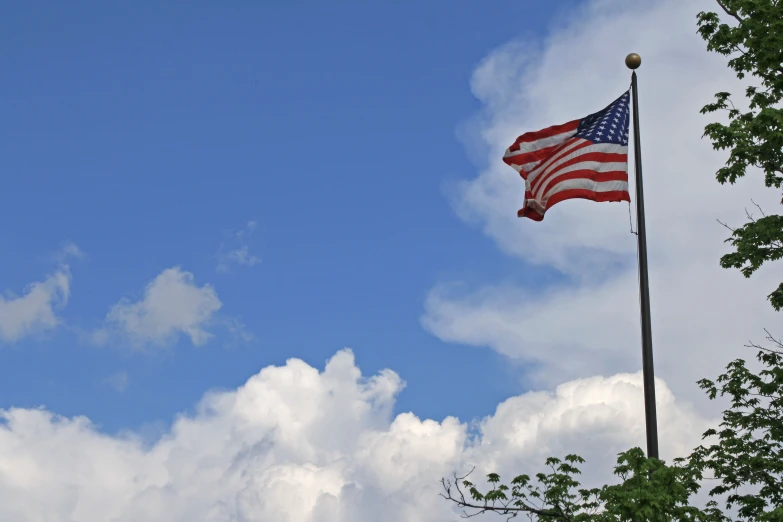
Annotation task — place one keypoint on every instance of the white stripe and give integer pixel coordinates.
(545, 170)
(527, 166)
(542, 143)
(597, 166)
(592, 186)
(535, 205)
(596, 147)
(558, 158)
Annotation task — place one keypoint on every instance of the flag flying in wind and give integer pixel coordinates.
(585, 158)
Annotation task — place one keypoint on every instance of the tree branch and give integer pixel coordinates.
(771, 339)
(759, 207)
(555, 513)
(729, 12)
(725, 225)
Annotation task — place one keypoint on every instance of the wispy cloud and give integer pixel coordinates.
(118, 381)
(172, 305)
(33, 312)
(237, 252)
(68, 251)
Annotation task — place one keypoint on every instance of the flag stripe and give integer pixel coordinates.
(586, 174)
(556, 151)
(532, 157)
(611, 185)
(598, 196)
(575, 149)
(614, 187)
(533, 146)
(598, 161)
(549, 132)
(570, 148)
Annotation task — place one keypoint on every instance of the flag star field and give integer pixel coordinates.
(609, 125)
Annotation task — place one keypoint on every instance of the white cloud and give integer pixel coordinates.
(34, 311)
(172, 305)
(296, 445)
(239, 253)
(702, 314)
(69, 250)
(118, 381)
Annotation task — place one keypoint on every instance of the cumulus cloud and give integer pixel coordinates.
(34, 311)
(702, 314)
(173, 304)
(238, 252)
(298, 445)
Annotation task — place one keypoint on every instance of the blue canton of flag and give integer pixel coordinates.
(609, 125)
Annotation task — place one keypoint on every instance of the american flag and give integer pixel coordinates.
(586, 158)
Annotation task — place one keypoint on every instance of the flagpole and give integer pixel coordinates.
(633, 61)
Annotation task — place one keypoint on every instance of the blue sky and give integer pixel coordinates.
(195, 193)
(151, 135)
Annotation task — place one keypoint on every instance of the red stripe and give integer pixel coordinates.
(530, 157)
(530, 213)
(598, 177)
(557, 157)
(554, 155)
(602, 157)
(612, 195)
(545, 133)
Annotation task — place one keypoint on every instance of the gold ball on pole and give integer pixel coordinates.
(633, 61)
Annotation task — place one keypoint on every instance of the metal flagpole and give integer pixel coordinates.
(633, 61)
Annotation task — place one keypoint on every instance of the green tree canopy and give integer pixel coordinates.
(754, 43)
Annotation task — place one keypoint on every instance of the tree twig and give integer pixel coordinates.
(725, 225)
(504, 508)
(759, 207)
(729, 12)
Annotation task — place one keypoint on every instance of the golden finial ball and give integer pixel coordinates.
(633, 61)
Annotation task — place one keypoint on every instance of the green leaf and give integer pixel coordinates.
(754, 138)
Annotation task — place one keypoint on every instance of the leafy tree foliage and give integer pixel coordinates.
(743, 465)
(749, 450)
(755, 137)
(649, 491)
